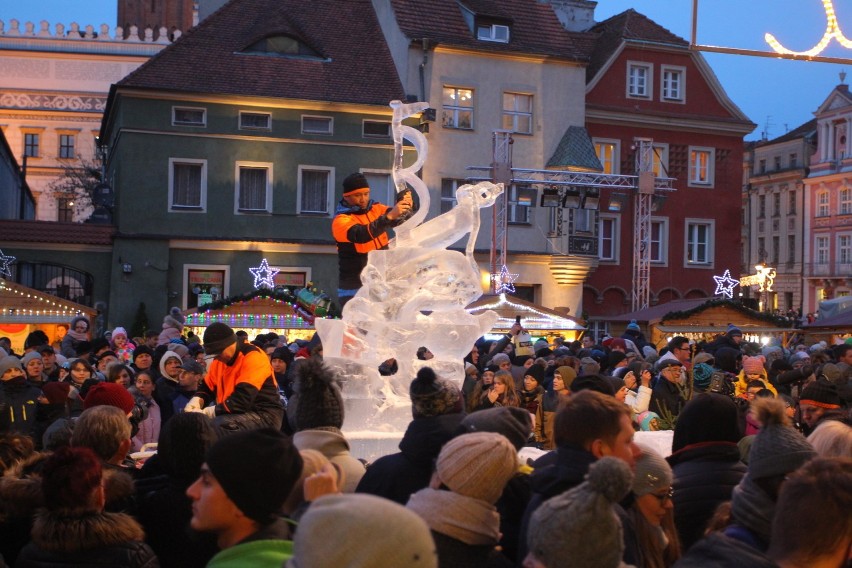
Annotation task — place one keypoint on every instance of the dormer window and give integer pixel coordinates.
(283, 45)
(492, 32)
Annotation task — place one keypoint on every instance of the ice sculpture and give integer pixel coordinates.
(413, 294)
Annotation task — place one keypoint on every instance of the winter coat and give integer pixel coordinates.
(270, 546)
(532, 401)
(334, 446)
(666, 398)
(549, 406)
(397, 476)
(454, 553)
(719, 551)
(19, 406)
(705, 474)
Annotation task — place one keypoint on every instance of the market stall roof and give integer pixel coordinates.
(843, 321)
(753, 329)
(534, 317)
(21, 304)
(653, 314)
(258, 310)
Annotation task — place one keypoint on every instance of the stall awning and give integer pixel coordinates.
(535, 318)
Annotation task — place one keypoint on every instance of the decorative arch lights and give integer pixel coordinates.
(832, 30)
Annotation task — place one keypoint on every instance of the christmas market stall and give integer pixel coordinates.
(289, 314)
(24, 310)
(832, 329)
(539, 321)
(703, 320)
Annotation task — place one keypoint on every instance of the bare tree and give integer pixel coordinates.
(78, 182)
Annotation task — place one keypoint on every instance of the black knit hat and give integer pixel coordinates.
(217, 337)
(316, 401)
(822, 394)
(142, 350)
(513, 422)
(433, 396)
(354, 182)
(535, 371)
(257, 470)
(591, 382)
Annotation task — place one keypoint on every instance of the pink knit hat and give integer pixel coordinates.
(754, 365)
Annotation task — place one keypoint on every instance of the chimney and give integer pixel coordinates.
(575, 15)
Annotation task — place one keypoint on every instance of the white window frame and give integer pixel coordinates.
(602, 143)
(202, 124)
(330, 120)
(631, 90)
(330, 193)
(455, 183)
(383, 136)
(386, 195)
(266, 128)
(822, 248)
(202, 207)
(226, 284)
(664, 240)
(493, 34)
(680, 95)
(690, 222)
(711, 166)
(268, 197)
(515, 114)
(823, 203)
(455, 109)
(660, 160)
(844, 197)
(616, 237)
(844, 248)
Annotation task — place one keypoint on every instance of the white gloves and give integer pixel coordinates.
(210, 411)
(194, 405)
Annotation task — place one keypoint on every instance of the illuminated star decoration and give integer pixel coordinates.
(725, 284)
(264, 275)
(504, 280)
(5, 261)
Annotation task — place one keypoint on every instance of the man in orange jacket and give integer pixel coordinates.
(360, 225)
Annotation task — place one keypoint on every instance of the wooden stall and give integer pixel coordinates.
(539, 321)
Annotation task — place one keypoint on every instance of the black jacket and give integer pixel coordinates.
(666, 395)
(19, 406)
(705, 474)
(719, 551)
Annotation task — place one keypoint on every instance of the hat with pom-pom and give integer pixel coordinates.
(646, 421)
(581, 523)
(734, 331)
(633, 326)
(317, 401)
(432, 395)
(778, 448)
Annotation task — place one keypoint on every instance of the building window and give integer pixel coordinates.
(660, 160)
(317, 125)
(846, 201)
(794, 160)
(639, 80)
(822, 204)
(66, 146)
(376, 129)
(673, 83)
(761, 167)
(701, 166)
(699, 242)
(448, 193)
(381, 186)
(761, 206)
(761, 249)
(65, 209)
(844, 250)
(493, 32)
(608, 238)
(791, 203)
(517, 113)
(205, 283)
(254, 187)
(776, 250)
(608, 155)
(776, 204)
(185, 116)
(31, 145)
(791, 248)
(821, 250)
(255, 121)
(520, 205)
(457, 108)
(659, 240)
(315, 190)
(187, 184)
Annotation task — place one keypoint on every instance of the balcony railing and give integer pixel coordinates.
(829, 270)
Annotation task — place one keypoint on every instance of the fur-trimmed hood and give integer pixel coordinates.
(75, 531)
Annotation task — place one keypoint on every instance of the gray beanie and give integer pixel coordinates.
(581, 524)
(405, 540)
(501, 358)
(9, 362)
(778, 448)
(31, 356)
(652, 472)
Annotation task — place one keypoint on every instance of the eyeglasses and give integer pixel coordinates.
(667, 496)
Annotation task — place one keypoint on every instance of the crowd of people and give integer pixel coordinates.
(177, 450)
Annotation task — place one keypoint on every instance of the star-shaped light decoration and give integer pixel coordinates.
(5, 261)
(725, 284)
(504, 282)
(264, 276)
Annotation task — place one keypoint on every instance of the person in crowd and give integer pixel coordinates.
(732, 338)
(191, 375)
(552, 401)
(34, 369)
(121, 345)
(638, 383)
(105, 361)
(818, 402)
(240, 381)
(405, 541)
(78, 332)
(832, 438)
(121, 374)
(173, 323)
(530, 398)
(244, 482)
(281, 360)
(148, 431)
(667, 396)
(483, 385)
(315, 414)
(19, 400)
(753, 370)
(359, 226)
(55, 405)
(167, 383)
(651, 513)
(706, 462)
(51, 362)
(581, 527)
(458, 505)
(501, 393)
(74, 529)
(634, 333)
(82, 377)
(105, 428)
(437, 411)
(313, 462)
(143, 358)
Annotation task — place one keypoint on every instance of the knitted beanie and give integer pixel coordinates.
(56, 392)
(354, 182)
(513, 422)
(581, 524)
(217, 337)
(753, 365)
(591, 382)
(701, 374)
(633, 326)
(828, 372)
(646, 421)
(703, 357)
(183, 444)
(535, 371)
(734, 331)
(568, 375)
(142, 350)
(708, 417)
(778, 448)
(822, 394)
(316, 401)
(652, 472)
(617, 342)
(378, 534)
(477, 465)
(31, 356)
(257, 469)
(432, 395)
(615, 383)
(109, 394)
(118, 331)
(501, 358)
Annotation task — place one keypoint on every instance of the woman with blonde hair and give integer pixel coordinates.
(502, 393)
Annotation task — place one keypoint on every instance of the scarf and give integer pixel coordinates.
(79, 336)
(472, 521)
(752, 508)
